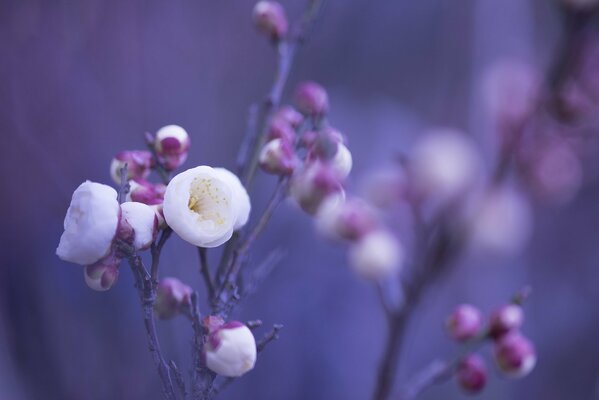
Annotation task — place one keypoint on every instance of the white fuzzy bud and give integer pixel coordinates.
(142, 219)
(231, 350)
(376, 256)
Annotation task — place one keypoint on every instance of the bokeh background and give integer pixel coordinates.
(82, 80)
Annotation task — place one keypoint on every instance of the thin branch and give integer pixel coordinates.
(205, 271)
(124, 186)
(178, 378)
(156, 250)
(271, 336)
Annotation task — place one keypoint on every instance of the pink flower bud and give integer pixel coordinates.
(471, 373)
(326, 144)
(289, 114)
(313, 184)
(506, 319)
(146, 192)
(231, 349)
(171, 144)
(279, 128)
(269, 17)
(103, 274)
(311, 99)
(464, 323)
(139, 163)
(172, 296)
(277, 157)
(351, 219)
(515, 355)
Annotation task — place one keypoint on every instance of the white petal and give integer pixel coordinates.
(376, 256)
(241, 200)
(342, 162)
(90, 224)
(236, 353)
(142, 219)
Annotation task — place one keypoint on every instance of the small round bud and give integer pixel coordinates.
(343, 161)
(471, 373)
(103, 274)
(171, 144)
(269, 17)
(378, 255)
(172, 296)
(142, 219)
(231, 349)
(311, 99)
(279, 128)
(351, 219)
(146, 192)
(290, 115)
(277, 157)
(325, 145)
(464, 323)
(506, 319)
(313, 184)
(139, 163)
(515, 355)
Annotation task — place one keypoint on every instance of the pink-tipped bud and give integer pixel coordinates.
(471, 373)
(146, 192)
(464, 323)
(139, 163)
(313, 184)
(269, 17)
(231, 349)
(515, 355)
(351, 219)
(506, 319)
(289, 114)
(277, 157)
(326, 144)
(103, 274)
(171, 144)
(279, 128)
(311, 99)
(308, 139)
(172, 296)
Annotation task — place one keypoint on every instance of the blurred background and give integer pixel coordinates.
(83, 80)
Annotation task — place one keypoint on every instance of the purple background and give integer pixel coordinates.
(82, 80)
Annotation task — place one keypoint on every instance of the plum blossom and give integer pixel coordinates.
(204, 205)
(171, 145)
(90, 224)
(231, 349)
(142, 219)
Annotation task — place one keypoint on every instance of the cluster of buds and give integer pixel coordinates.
(514, 354)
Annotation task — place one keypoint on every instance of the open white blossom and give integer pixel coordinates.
(342, 161)
(90, 224)
(142, 219)
(204, 205)
(376, 256)
(231, 350)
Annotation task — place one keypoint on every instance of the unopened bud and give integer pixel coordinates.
(171, 144)
(269, 17)
(515, 355)
(378, 255)
(143, 221)
(471, 373)
(464, 323)
(313, 184)
(289, 114)
(279, 128)
(506, 319)
(311, 99)
(172, 296)
(139, 163)
(231, 349)
(277, 157)
(146, 192)
(103, 274)
(351, 219)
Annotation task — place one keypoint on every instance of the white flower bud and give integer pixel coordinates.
(102, 275)
(204, 205)
(342, 161)
(376, 256)
(90, 224)
(231, 350)
(142, 219)
(278, 157)
(350, 219)
(171, 144)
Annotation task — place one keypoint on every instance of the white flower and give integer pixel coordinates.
(142, 219)
(231, 350)
(90, 224)
(204, 205)
(342, 161)
(376, 256)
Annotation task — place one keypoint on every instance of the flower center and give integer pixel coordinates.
(208, 200)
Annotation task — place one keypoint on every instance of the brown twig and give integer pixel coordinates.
(205, 271)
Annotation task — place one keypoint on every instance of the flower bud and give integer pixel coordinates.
(376, 256)
(142, 219)
(171, 144)
(277, 157)
(279, 128)
(313, 184)
(506, 319)
(326, 144)
(311, 99)
(471, 373)
(139, 163)
(515, 355)
(269, 18)
(103, 274)
(290, 115)
(146, 192)
(351, 219)
(464, 323)
(172, 296)
(231, 349)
